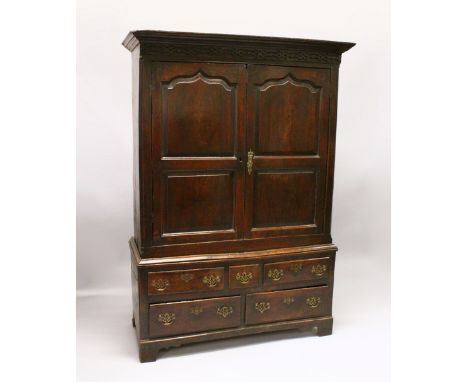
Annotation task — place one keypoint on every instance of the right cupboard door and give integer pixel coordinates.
(287, 144)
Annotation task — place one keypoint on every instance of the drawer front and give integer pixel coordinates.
(244, 276)
(297, 270)
(194, 316)
(189, 280)
(287, 305)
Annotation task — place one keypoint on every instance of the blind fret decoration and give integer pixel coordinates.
(234, 150)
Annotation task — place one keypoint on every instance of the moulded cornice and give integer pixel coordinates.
(234, 48)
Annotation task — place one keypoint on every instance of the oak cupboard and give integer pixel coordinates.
(234, 147)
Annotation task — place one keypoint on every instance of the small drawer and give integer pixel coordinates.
(194, 316)
(244, 276)
(296, 271)
(287, 305)
(189, 280)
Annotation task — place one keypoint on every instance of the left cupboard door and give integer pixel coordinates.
(198, 140)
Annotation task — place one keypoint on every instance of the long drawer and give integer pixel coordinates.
(189, 280)
(194, 316)
(283, 272)
(287, 305)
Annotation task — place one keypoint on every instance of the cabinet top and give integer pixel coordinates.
(234, 48)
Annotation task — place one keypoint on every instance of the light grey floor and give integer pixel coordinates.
(358, 350)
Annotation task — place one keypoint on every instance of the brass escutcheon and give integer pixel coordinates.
(160, 284)
(225, 311)
(211, 280)
(186, 277)
(166, 318)
(288, 300)
(250, 156)
(296, 268)
(318, 270)
(244, 277)
(313, 302)
(262, 306)
(275, 274)
(196, 310)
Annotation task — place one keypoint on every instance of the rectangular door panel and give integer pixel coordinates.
(199, 202)
(198, 188)
(287, 117)
(284, 198)
(199, 116)
(287, 140)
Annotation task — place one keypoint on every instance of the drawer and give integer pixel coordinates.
(287, 305)
(189, 280)
(194, 316)
(296, 270)
(244, 276)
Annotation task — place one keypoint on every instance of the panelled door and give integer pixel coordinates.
(238, 152)
(287, 142)
(198, 141)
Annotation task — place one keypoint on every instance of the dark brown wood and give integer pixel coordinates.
(180, 46)
(234, 146)
(197, 135)
(210, 208)
(137, 200)
(244, 276)
(149, 349)
(189, 280)
(285, 193)
(314, 270)
(235, 245)
(194, 316)
(287, 305)
(220, 257)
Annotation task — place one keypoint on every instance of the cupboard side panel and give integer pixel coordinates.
(144, 153)
(331, 148)
(136, 144)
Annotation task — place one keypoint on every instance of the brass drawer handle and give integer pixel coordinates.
(313, 302)
(225, 311)
(211, 280)
(288, 300)
(250, 156)
(196, 310)
(275, 274)
(296, 268)
(318, 270)
(160, 284)
(244, 277)
(166, 318)
(262, 306)
(186, 277)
